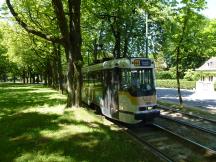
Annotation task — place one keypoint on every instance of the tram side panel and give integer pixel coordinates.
(109, 105)
(92, 90)
(114, 103)
(99, 89)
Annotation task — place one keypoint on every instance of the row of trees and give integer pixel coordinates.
(43, 41)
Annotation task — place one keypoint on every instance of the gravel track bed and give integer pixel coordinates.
(172, 146)
(193, 134)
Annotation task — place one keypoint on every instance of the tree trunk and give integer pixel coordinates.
(74, 75)
(54, 63)
(117, 48)
(60, 72)
(24, 76)
(49, 73)
(95, 44)
(70, 39)
(75, 57)
(180, 44)
(71, 35)
(178, 75)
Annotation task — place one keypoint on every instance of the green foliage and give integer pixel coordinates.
(205, 74)
(173, 84)
(4, 61)
(191, 75)
(165, 75)
(107, 23)
(35, 126)
(184, 31)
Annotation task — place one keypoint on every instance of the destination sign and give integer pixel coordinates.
(141, 62)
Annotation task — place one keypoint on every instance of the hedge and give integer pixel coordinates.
(172, 83)
(165, 75)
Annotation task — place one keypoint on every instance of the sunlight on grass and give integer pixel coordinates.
(88, 124)
(41, 157)
(36, 126)
(46, 109)
(203, 112)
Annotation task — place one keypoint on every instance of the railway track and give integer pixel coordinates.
(163, 156)
(186, 139)
(170, 146)
(189, 124)
(165, 139)
(194, 121)
(199, 130)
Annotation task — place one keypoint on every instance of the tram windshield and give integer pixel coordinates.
(138, 82)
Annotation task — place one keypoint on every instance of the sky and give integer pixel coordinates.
(210, 12)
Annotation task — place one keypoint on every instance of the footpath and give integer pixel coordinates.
(190, 97)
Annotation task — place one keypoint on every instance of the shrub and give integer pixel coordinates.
(165, 75)
(191, 75)
(171, 83)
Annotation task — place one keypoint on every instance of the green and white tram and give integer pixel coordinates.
(124, 89)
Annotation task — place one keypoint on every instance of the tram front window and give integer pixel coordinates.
(138, 82)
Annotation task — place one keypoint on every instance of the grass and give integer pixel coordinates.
(206, 113)
(35, 126)
(172, 83)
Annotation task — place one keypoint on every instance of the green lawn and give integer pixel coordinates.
(35, 126)
(172, 83)
(206, 113)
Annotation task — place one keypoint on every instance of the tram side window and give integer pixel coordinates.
(90, 78)
(85, 78)
(95, 78)
(98, 78)
(125, 79)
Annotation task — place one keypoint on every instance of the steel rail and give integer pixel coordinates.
(186, 139)
(130, 132)
(195, 116)
(153, 149)
(188, 124)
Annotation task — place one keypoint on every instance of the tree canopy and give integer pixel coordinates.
(50, 41)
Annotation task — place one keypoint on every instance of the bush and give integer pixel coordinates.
(165, 75)
(171, 83)
(191, 75)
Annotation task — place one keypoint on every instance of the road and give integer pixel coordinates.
(190, 97)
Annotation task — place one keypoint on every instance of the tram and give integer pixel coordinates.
(123, 89)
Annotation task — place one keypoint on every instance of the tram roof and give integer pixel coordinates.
(120, 63)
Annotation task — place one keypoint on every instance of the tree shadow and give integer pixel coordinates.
(34, 136)
(20, 132)
(13, 99)
(21, 135)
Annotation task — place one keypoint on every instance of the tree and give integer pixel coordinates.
(68, 24)
(118, 27)
(181, 34)
(4, 61)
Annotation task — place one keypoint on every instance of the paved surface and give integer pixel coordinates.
(190, 97)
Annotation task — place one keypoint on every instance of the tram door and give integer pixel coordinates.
(111, 106)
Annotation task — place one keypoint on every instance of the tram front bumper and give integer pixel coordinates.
(146, 115)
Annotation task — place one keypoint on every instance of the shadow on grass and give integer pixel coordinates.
(19, 97)
(33, 136)
(20, 132)
(21, 136)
